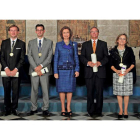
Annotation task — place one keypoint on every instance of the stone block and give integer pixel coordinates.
(113, 30)
(112, 22)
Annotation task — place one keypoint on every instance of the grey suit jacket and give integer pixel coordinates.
(45, 59)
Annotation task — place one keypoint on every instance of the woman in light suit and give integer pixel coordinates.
(66, 68)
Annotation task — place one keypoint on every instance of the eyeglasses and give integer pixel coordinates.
(122, 38)
(13, 30)
(93, 31)
(39, 30)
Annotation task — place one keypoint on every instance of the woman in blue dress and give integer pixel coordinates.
(66, 68)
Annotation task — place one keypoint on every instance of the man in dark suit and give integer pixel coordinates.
(94, 80)
(12, 57)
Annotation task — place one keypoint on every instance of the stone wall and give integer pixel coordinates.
(110, 29)
(50, 27)
(134, 27)
(4, 25)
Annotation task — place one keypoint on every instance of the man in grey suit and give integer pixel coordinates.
(40, 52)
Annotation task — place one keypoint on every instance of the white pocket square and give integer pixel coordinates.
(18, 48)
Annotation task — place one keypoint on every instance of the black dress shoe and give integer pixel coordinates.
(138, 116)
(33, 112)
(99, 115)
(46, 113)
(125, 116)
(14, 112)
(90, 115)
(7, 113)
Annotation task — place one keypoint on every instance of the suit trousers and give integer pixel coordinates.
(11, 83)
(44, 81)
(94, 84)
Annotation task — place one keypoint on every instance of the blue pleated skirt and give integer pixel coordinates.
(66, 81)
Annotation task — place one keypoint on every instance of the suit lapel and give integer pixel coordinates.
(44, 44)
(16, 46)
(90, 46)
(9, 45)
(36, 46)
(98, 46)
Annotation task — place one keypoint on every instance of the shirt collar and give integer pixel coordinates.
(13, 40)
(40, 39)
(95, 41)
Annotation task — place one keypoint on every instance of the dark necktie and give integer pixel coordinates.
(13, 44)
(39, 45)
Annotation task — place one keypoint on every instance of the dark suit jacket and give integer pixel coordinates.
(128, 59)
(102, 56)
(19, 54)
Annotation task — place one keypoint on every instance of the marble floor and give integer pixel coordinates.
(57, 116)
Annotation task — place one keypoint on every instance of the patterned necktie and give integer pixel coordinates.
(94, 46)
(13, 44)
(39, 45)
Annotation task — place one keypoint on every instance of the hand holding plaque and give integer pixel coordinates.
(7, 71)
(41, 72)
(13, 72)
(94, 60)
(38, 68)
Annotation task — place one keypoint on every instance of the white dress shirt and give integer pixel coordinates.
(41, 41)
(12, 42)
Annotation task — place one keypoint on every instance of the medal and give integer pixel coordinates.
(11, 54)
(121, 64)
(39, 54)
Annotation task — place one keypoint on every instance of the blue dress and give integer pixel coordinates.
(66, 57)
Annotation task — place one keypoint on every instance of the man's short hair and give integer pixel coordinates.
(40, 25)
(13, 26)
(94, 27)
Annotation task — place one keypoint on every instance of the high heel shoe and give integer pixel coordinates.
(126, 116)
(69, 113)
(120, 116)
(63, 113)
